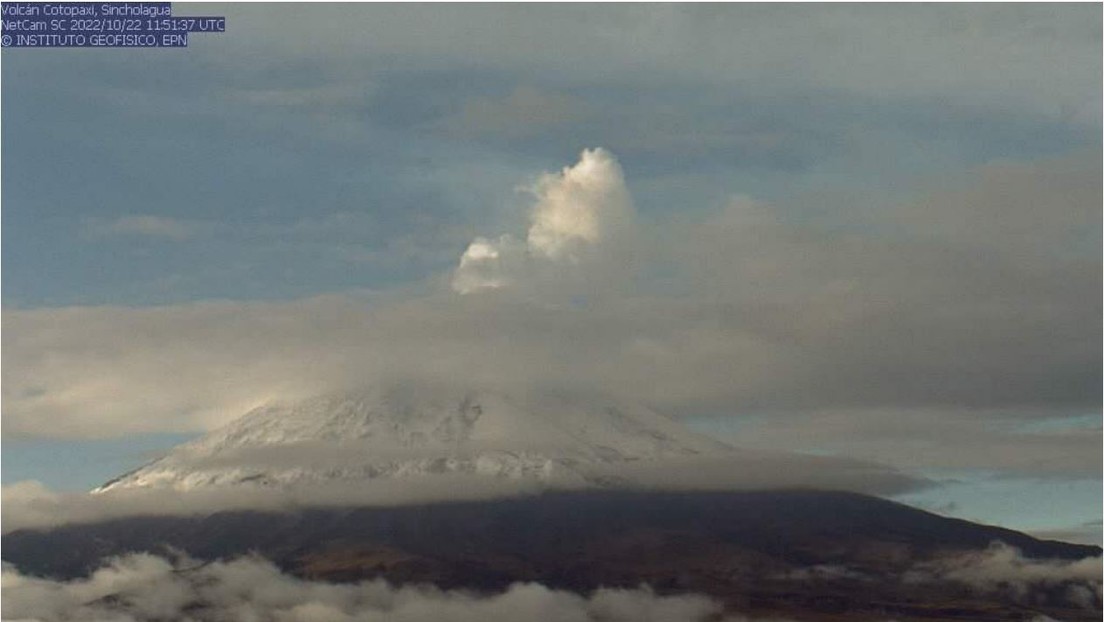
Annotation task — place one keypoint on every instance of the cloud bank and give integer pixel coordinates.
(30, 505)
(997, 57)
(966, 308)
(141, 588)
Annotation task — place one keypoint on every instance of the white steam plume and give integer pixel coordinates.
(581, 215)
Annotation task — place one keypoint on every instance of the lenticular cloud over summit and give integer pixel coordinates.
(581, 216)
(413, 432)
(416, 443)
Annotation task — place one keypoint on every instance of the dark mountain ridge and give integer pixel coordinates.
(786, 552)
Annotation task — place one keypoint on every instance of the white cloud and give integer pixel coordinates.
(1003, 568)
(942, 438)
(585, 205)
(581, 216)
(142, 587)
(490, 264)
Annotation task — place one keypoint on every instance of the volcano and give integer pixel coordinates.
(615, 504)
(412, 432)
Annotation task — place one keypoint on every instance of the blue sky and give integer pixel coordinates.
(932, 171)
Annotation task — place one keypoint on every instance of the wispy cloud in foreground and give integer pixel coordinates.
(1004, 569)
(143, 588)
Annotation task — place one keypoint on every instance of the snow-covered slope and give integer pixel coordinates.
(406, 432)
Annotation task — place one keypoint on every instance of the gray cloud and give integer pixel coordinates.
(907, 439)
(997, 57)
(260, 127)
(999, 569)
(141, 587)
(30, 505)
(888, 334)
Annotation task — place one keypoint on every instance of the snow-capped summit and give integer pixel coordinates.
(407, 431)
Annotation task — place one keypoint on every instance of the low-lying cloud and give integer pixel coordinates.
(141, 588)
(1003, 569)
(30, 505)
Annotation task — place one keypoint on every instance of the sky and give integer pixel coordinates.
(869, 231)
